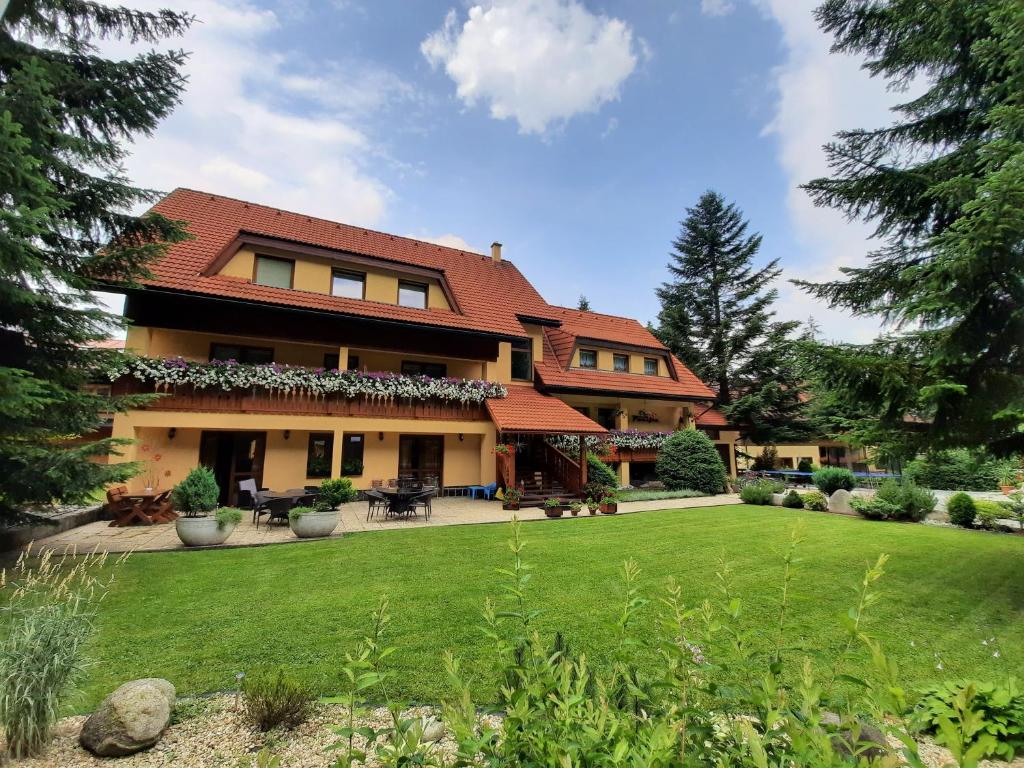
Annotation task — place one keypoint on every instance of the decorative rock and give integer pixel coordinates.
(130, 719)
(433, 729)
(870, 742)
(839, 502)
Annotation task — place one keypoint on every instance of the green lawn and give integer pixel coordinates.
(197, 618)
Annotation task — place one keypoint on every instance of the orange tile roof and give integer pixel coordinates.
(712, 418)
(479, 285)
(610, 328)
(527, 410)
(553, 372)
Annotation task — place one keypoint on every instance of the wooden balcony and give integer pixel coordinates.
(186, 398)
(643, 454)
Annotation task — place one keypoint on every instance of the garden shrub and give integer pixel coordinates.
(228, 516)
(334, 493)
(986, 513)
(757, 492)
(48, 614)
(793, 500)
(768, 460)
(197, 494)
(688, 459)
(913, 501)
(594, 489)
(961, 510)
(958, 470)
(831, 479)
(876, 508)
(806, 465)
(600, 472)
(816, 500)
(273, 700)
(985, 719)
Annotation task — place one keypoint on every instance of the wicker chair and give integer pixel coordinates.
(377, 503)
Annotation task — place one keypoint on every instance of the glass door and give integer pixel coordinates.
(420, 457)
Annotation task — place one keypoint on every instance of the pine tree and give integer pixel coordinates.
(944, 188)
(716, 316)
(65, 229)
(584, 304)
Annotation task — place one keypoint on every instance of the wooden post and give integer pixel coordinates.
(583, 461)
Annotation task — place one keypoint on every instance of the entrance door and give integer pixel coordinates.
(233, 457)
(420, 456)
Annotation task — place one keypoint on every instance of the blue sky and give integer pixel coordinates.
(575, 132)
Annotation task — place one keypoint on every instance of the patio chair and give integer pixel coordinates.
(376, 483)
(247, 494)
(487, 490)
(377, 503)
(393, 482)
(276, 509)
(423, 500)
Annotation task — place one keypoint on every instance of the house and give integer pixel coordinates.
(379, 356)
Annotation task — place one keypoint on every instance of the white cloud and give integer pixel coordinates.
(818, 94)
(717, 7)
(270, 126)
(539, 62)
(449, 240)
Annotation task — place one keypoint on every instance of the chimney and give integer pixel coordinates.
(496, 251)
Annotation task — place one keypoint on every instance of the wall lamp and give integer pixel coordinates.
(461, 437)
(287, 434)
(171, 433)
(380, 436)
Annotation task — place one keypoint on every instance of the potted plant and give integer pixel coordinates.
(512, 498)
(593, 506)
(334, 493)
(1006, 480)
(195, 498)
(575, 506)
(609, 506)
(313, 522)
(553, 507)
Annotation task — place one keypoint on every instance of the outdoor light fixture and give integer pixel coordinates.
(171, 433)
(380, 436)
(461, 437)
(287, 434)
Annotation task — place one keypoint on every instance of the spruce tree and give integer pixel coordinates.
(67, 229)
(716, 316)
(943, 187)
(583, 305)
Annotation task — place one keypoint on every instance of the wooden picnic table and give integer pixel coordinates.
(143, 508)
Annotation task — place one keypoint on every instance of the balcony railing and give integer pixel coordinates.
(185, 397)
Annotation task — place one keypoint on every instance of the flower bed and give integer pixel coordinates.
(296, 379)
(619, 440)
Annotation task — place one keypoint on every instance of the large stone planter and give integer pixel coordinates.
(314, 525)
(202, 531)
(777, 499)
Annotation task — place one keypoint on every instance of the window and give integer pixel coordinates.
(319, 454)
(241, 353)
(651, 366)
(331, 360)
(353, 362)
(522, 359)
(433, 370)
(621, 363)
(274, 272)
(583, 409)
(412, 295)
(351, 285)
(588, 358)
(607, 417)
(352, 455)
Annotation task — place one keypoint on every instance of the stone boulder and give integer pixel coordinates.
(130, 719)
(839, 502)
(865, 739)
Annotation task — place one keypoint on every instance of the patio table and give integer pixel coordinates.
(400, 499)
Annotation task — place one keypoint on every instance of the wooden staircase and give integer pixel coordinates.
(538, 486)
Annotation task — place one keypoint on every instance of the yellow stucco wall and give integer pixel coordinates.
(606, 360)
(314, 275)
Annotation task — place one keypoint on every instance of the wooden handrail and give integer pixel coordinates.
(563, 469)
(506, 468)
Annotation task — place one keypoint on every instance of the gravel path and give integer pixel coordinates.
(210, 732)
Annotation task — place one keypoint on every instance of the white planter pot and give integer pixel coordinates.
(202, 531)
(314, 525)
(777, 499)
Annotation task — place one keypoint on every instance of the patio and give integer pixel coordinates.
(446, 511)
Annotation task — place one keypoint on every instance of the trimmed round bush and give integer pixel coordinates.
(197, 494)
(816, 500)
(334, 493)
(831, 479)
(961, 510)
(876, 508)
(688, 459)
(599, 472)
(793, 500)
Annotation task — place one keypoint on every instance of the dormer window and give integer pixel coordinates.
(274, 272)
(620, 363)
(412, 294)
(351, 285)
(651, 366)
(588, 358)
